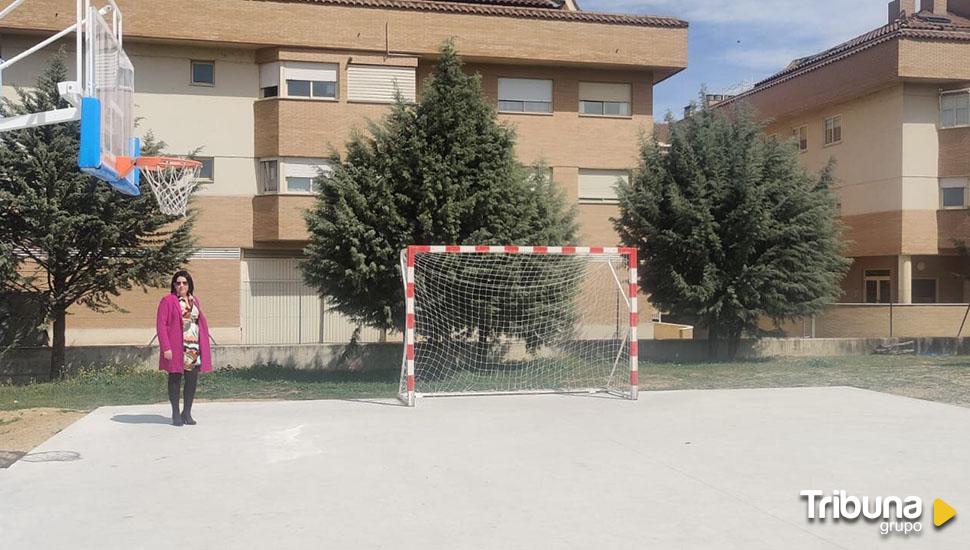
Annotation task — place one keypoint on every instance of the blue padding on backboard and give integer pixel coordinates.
(89, 156)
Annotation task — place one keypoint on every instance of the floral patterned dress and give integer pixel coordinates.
(190, 332)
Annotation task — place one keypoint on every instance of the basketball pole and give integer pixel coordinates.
(70, 91)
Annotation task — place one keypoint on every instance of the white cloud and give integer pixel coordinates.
(734, 43)
(760, 37)
(826, 20)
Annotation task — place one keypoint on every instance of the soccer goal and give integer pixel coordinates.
(519, 319)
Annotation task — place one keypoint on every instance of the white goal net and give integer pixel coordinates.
(508, 319)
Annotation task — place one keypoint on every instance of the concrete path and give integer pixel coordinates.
(686, 469)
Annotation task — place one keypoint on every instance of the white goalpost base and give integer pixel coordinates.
(497, 320)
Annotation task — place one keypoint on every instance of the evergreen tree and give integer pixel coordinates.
(8, 274)
(439, 172)
(82, 242)
(730, 228)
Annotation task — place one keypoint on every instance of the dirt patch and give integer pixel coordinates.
(22, 430)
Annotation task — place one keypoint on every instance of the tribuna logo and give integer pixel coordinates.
(897, 514)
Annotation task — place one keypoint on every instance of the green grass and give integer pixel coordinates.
(89, 389)
(941, 378)
(945, 379)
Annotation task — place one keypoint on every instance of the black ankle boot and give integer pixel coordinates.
(187, 418)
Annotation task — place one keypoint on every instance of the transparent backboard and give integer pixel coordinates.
(107, 104)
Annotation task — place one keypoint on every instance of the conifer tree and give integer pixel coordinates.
(439, 172)
(730, 229)
(81, 242)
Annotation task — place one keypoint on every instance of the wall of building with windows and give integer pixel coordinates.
(264, 122)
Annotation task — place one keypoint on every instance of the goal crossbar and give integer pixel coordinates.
(459, 276)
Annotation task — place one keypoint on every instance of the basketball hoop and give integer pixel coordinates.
(172, 180)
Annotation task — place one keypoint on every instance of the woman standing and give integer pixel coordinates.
(183, 338)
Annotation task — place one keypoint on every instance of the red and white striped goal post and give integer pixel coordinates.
(413, 250)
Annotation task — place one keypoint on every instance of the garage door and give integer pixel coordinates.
(279, 308)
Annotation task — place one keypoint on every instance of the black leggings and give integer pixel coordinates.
(174, 381)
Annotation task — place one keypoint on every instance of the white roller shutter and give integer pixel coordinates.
(524, 89)
(319, 72)
(269, 75)
(602, 91)
(304, 168)
(377, 83)
(600, 185)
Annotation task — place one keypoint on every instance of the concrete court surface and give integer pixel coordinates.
(680, 469)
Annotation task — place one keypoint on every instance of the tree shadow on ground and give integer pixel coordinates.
(271, 373)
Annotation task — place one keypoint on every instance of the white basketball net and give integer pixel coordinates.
(510, 323)
(172, 186)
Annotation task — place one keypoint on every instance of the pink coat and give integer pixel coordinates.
(168, 324)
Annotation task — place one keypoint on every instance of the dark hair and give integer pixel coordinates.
(183, 273)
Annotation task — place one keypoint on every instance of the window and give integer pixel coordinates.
(833, 130)
(207, 172)
(878, 289)
(323, 89)
(298, 88)
(297, 174)
(954, 197)
(602, 99)
(299, 184)
(269, 176)
(801, 137)
(204, 73)
(300, 173)
(312, 80)
(379, 84)
(953, 192)
(524, 95)
(599, 186)
(269, 80)
(309, 80)
(955, 109)
(924, 291)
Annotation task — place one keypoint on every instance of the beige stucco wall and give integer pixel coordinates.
(887, 167)
(920, 147)
(219, 118)
(869, 158)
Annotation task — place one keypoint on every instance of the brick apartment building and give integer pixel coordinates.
(270, 88)
(891, 107)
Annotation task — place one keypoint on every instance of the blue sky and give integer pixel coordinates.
(734, 41)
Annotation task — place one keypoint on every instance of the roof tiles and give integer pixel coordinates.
(531, 9)
(917, 25)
